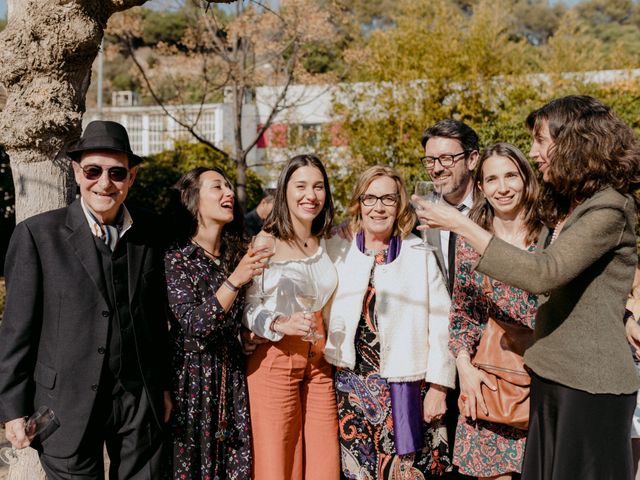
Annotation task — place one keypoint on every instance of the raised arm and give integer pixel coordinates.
(193, 304)
(581, 244)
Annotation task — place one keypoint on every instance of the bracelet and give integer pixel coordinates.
(230, 286)
(275, 322)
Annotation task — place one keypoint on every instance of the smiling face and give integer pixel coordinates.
(542, 143)
(378, 220)
(305, 194)
(215, 199)
(456, 181)
(103, 196)
(503, 186)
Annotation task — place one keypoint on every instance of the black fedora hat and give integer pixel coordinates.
(104, 135)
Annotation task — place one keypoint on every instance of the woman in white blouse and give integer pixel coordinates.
(388, 333)
(291, 394)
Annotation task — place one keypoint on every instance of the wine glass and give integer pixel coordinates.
(260, 244)
(428, 192)
(307, 297)
(35, 425)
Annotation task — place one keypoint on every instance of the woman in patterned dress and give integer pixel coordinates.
(205, 271)
(387, 334)
(506, 199)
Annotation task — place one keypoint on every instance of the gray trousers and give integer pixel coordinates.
(125, 423)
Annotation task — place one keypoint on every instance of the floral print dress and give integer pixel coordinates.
(210, 419)
(364, 413)
(485, 449)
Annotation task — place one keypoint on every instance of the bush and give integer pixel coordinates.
(160, 172)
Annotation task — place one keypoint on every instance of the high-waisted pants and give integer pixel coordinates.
(293, 412)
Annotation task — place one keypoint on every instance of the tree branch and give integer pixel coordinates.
(158, 100)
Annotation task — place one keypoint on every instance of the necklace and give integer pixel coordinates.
(216, 258)
(305, 242)
(558, 227)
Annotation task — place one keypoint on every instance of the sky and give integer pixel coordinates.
(160, 3)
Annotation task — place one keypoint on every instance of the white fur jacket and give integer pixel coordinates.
(412, 306)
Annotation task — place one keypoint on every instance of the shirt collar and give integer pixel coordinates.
(96, 227)
(467, 202)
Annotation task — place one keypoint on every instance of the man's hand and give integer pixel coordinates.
(632, 329)
(435, 403)
(250, 341)
(15, 433)
(167, 406)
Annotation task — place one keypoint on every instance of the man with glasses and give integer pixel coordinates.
(450, 156)
(84, 329)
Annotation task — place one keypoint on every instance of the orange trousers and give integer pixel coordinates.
(294, 420)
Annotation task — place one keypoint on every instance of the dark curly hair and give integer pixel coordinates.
(184, 215)
(592, 149)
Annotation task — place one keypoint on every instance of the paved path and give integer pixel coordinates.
(4, 468)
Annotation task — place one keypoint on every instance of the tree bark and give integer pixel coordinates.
(46, 53)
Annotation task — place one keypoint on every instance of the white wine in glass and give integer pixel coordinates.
(428, 192)
(307, 297)
(260, 244)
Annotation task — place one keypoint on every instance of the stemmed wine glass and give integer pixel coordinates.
(35, 425)
(306, 294)
(428, 192)
(260, 244)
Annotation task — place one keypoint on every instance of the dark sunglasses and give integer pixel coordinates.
(94, 172)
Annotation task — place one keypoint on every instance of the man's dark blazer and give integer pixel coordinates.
(54, 334)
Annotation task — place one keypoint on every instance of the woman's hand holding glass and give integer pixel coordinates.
(436, 215)
(263, 244)
(298, 324)
(471, 380)
(251, 265)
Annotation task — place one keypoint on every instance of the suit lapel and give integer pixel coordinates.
(82, 243)
(433, 237)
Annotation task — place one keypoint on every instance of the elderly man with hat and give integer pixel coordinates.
(84, 328)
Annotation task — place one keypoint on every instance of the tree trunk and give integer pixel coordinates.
(46, 53)
(240, 156)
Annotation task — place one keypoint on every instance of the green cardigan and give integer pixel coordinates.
(584, 277)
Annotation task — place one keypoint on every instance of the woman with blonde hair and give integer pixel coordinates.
(387, 334)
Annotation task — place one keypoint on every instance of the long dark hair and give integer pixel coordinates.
(482, 212)
(278, 222)
(592, 149)
(185, 217)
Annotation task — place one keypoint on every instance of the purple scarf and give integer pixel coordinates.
(406, 399)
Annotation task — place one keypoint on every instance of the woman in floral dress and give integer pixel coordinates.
(505, 203)
(205, 271)
(388, 331)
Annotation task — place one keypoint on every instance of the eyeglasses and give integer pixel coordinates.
(94, 172)
(388, 200)
(446, 160)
